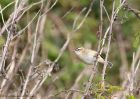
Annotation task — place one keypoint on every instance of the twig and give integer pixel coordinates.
(108, 47)
(18, 11)
(88, 85)
(21, 31)
(32, 57)
(100, 50)
(6, 6)
(66, 91)
(129, 87)
(75, 85)
(9, 74)
(77, 17)
(10, 33)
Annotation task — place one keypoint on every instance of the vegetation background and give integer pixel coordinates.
(37, 39)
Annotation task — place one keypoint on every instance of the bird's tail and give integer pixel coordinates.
(110, 64)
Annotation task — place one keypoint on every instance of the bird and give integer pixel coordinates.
(89, 56)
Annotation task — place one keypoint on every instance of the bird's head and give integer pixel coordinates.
(79, 51)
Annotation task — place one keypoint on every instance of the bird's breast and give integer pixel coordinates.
(89, 59)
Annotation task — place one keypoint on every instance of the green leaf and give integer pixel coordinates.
(130, 97)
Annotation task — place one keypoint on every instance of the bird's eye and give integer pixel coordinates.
(77, 49)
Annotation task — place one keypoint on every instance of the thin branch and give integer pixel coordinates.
(18, 11)
(108, 46)
(77, 17)
(7, 6)
(32, 56)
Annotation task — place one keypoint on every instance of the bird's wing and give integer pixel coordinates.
(96, 55)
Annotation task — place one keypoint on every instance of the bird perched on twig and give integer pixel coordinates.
(89, 56)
